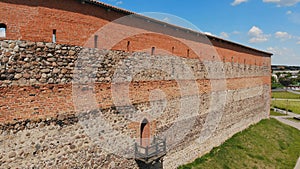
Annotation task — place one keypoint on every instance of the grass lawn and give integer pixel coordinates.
(273, 113)
(285, 95)
(268, 144)
(290, 105)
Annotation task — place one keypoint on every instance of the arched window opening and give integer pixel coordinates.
(2, 30)
(188, 53)
(145, 133)
(173, 48)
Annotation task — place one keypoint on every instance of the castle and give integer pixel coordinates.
(87, 85)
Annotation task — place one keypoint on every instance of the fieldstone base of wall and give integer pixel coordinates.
(197, 149)
(46, 144)
(62, 142)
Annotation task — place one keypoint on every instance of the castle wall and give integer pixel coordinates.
(37, 96)
(56, 99)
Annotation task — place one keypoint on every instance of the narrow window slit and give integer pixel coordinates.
(153, 51)
(128, 46)
(96, 41)
(2, 30)
(54, 36)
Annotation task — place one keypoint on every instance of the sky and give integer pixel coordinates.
(269, 25)
(2, 32)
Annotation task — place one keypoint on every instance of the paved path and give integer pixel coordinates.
(291, 123)
(295, 100)
(298, 164)
(288, 122)
(292, 91)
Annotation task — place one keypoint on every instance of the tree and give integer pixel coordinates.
(273, 79)
(278, 74)
(285, 81)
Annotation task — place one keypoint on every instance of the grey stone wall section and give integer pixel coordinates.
(238, 115)
(44, 145)
(27, 63)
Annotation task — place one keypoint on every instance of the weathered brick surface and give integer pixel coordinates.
(27, 68)
(42, 123)
(77, 23)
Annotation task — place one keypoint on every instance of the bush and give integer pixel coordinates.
(276, 85)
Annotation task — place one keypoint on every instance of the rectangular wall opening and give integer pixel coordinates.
(152, 50)
(54, 36)
(128, 46)
(96, 41)
(2, 30)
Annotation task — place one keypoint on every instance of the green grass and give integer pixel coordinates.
(294, 106)
(268, 144)
(285, 95)
(273, 113)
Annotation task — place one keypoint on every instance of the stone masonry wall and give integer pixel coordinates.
(27, 63)
(42, 128)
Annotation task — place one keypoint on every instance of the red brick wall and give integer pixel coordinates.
(75, 23)
(179, 47)
(46, 101)
(35, 20)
